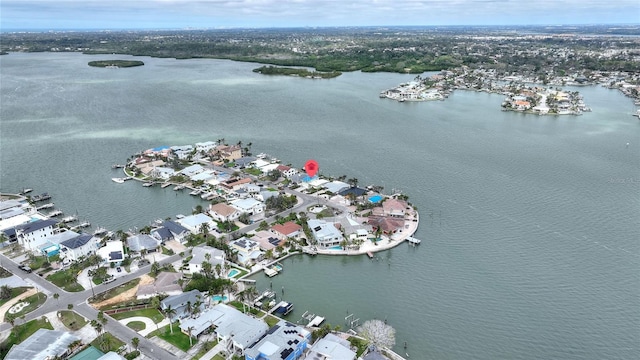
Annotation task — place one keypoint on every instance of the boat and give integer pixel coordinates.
(270, 272)
(316, 321)
(45, 206)
(370, 254)
(26, 191)
(265, 296)
(41, 197)
(117, 166)
(99, 231)
(284, 308)
(69, 219)
(178, 187)
(118, 180)
(84, 224)
(54, 213)
(195, 192)
(165, 185)
(147, 184)
(413, 240)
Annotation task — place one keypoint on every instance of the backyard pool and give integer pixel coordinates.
(337, 247)
(233, 273)
(219, 298)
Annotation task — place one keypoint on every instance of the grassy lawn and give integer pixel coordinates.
(218, 357)
(21, 332)
(107, 342)
(71, 320)
(4, 273)
(204, 349)
(358, 343)
(253, 171)
(14, 292)
(137, 325)
(66, 279)
(115, 291)
(271, 320)
(34, 302)
(177, 339)
(150, 313)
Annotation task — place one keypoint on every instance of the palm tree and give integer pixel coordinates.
(189, 308)
(135, 342)
(204, 229)
(56, 296)
(169, 313)
(190, 329)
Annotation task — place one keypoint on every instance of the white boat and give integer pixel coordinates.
(54, 213)
(69, 219)
(413, 240)
(147, 184)
(195, 192)
(45, 206)
(178, 187)
(165, 185)
(100, 231)
(118, 180)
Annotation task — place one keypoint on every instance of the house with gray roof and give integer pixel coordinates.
(283, 341)
(199, 255)
(166, 283)
(233, 328)
(44, 344)
(248, 250)
(142, 242)
(181, 302)
(170, 230)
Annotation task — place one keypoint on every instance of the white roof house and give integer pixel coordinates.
(162, 172)
(205, 146)
(44, 344)
(192, 170)
(199, 255)
(326, 234)
(331, 347)
(283, 341)
(249, 205)
(112, 252)
(193, 222)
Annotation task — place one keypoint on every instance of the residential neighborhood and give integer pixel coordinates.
(180, 283)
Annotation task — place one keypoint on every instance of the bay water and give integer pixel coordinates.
(530, 225)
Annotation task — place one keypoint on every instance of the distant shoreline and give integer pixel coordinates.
(116, 63)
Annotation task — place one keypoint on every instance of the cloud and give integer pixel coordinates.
(286, 13)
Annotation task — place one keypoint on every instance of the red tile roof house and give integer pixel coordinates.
(286, 230)
(388, 225)
(287, 171)
(394, 207)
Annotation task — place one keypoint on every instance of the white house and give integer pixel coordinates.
(78, 247)
(205, 146)
(249, 205)
(112, 252)
(34, 234)
(248, 250)
(199, 255)
(162, 172)
(182, 151)
(326, 234)
(194, 222)
(192, 170)
(287, 171)
(223, 212)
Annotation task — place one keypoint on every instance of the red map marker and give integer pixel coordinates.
(311, 167)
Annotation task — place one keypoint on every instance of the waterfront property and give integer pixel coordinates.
(283, 341)
(324, 233)
(34, 234)
(199, 255)
(331, 347)
(182, 303)
(248, 250)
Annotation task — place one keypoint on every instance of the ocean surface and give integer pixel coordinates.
(530, 225)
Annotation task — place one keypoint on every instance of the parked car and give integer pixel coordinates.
(25, 268)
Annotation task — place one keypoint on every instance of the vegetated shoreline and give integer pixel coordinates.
(275, 70)
(116, 63)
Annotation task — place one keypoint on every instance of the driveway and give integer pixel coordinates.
(149, 324)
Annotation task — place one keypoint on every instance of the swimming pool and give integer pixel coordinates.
(233, 273)
(219, 298)
(337, 247)
(375, 198)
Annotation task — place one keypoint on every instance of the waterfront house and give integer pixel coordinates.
(324, 233)
(286, 230)
(223, 212)
(166, 284)
(192, 170)
(52, 246)
(394, 207)
(229, 152)
(267, 240)
(268, 168)
(78, 247)
(283, 341)
(235, 184)
(205, 146)
(170, 231)
(331, 347)
(249, 205)
(204, 176)
(387, 225)
(234, 330)
(142, 243)
(43, 344)
(287, 171)
(194, 222)
(34, 234)
(243, 162)
(182, 151)
(183, 303)
(162, 172)
(248, 250)
(336, 186)
(199, 255)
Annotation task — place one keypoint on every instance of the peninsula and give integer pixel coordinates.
(116, 63)
(189, 274)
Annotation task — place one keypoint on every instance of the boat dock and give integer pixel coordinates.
(41, 197)
(54, 213)
(413, 240)
(165, 185)
(69, 219)
(370, 254)
(270, 272)
(45, 206)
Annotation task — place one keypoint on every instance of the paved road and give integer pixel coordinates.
(79, 299)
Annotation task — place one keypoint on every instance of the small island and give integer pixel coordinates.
(116, 63)
(275, 70)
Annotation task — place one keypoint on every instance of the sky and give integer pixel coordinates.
(181, 14)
